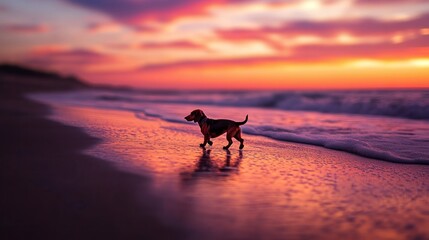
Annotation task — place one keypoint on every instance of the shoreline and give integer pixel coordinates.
(270, 189)
(86, 173)
(376, 137)
(51, 190)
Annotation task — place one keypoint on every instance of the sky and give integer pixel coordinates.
(223, 44)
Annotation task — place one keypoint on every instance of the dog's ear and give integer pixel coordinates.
(198, 114)
(201, 113)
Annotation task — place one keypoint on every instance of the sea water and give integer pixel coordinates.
(390, 125)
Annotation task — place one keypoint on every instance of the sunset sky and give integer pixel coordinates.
(225, 44)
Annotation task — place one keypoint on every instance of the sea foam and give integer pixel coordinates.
(358, 122)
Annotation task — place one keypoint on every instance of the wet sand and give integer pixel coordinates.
(270, 190)
(50, 190)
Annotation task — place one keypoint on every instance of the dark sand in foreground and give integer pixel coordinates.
(49, 190)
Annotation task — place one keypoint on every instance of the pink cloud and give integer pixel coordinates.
(145, 28)
(43, 49)
(102, 27)
(73, 58)
(119, 46)
(162, 10)
(26, 28)
(417, 47)
(175, 44)
(387, 2)
(214, 63)
(3, 8)
(363, 27)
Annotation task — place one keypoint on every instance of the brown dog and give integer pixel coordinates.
(212, 128)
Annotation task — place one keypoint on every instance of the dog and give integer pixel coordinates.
(212, 128)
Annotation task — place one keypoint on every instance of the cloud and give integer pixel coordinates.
(146, 28)
(214, 63)
(103, 27)
(361, 27)
(49, 48)
(414, 48)
(3, 8)
(60, 56)
(174, 44)
(384, 50)
(159, 10)
(26, 28)
(387, 2)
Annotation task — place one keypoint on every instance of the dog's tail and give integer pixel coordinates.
(243, 122)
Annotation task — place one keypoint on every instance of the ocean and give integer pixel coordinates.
(390, 125)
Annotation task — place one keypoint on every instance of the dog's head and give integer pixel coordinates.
(195, 115)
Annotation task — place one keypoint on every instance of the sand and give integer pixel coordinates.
(270, 190)
(102, 174)
(50, 190)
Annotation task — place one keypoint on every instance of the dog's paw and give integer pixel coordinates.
(202, 145)
(210, 143)
(241, 146)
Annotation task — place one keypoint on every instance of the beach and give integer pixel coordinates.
(83, 172)
(269, 190)
(214, 120)
(50, 190)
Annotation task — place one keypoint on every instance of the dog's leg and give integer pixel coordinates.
(238, 137)
(206, 140)
(228, 137)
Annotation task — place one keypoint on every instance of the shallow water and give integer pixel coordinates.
(390, 138)
(270, 190)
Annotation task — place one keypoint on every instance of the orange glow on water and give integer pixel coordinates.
(279, 189)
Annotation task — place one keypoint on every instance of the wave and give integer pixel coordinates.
(397, 150)
(393, 104)
(391, 139)
(411, 104)
(351, 143)
(357, 147)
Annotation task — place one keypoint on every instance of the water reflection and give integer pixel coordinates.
(279, 191)
(227, 167)
(213, 166)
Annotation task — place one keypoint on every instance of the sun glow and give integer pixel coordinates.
(256, 44)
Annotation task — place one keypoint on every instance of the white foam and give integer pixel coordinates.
(390, 139)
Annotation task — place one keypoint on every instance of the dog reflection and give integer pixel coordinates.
(205, 163)
(227, 166)
(213, 168)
